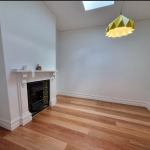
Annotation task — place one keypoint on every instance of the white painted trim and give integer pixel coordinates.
(5, 123)
(52, 102)
(11, 125)
(18, 75)
(148, 106)
(25, 118)
(15, 123)
(42, 71)
(104, 98)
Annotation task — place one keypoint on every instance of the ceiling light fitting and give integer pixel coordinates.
(121, 26)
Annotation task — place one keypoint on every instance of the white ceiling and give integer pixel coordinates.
(71, 15)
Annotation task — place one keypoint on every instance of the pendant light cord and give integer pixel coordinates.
(121, 8)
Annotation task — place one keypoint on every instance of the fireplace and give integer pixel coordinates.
(24, 78)
(38, 95)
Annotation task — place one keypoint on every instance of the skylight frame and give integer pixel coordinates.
(89, 5)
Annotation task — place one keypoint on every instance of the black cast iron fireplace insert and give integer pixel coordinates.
(38, 95)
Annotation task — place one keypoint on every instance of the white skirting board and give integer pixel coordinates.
(52, 101)
(11, 125)
(23, 120)
(106, 99)
(148, 106)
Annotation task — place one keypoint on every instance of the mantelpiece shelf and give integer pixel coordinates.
(33, 73)
(19, 70)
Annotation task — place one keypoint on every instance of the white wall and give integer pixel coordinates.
(148, 101)
(29, 38)
(4, 103)
(108, 68)
(57, 57)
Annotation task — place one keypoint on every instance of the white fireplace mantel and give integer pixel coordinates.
(23, 77)
(33, 73)
(20, 70)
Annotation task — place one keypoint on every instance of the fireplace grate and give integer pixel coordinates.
(37, 105)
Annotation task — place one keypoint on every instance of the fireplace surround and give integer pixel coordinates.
(38, 96)
(23, 77)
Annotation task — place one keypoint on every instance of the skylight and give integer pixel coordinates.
(88, 5)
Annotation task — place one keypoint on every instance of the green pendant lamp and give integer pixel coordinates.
(121, 26)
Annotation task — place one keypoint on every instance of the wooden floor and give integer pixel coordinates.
(82, 124)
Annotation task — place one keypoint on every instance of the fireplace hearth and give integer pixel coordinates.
(38, 95)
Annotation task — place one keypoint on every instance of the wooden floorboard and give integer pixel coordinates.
(82, 124)
(73, 147)
(8, 145)
(3, 132)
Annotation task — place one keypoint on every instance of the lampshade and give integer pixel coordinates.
(121, 26)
